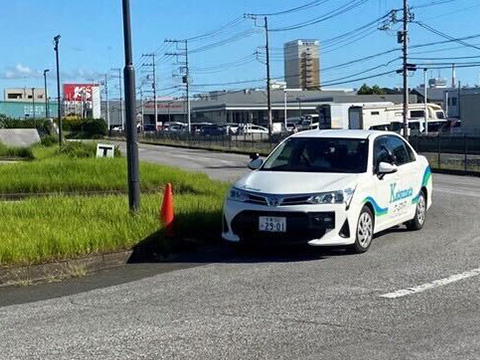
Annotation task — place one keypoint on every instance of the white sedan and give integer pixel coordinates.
(330, 188)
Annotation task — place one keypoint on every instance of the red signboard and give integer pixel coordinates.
(78, 92)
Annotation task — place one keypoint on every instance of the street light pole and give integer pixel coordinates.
(56, 40)
(46, 92)
(33, 102)
(130, 107)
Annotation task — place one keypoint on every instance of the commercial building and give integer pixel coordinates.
(448, 98)
(24, 94)
(247, 106)
(82, 100)
(26, 110)
(302, 64)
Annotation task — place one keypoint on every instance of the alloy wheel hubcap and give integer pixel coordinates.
(365, 230)
(421, 209)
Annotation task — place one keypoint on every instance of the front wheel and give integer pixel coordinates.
(420, 214)
(364, 233)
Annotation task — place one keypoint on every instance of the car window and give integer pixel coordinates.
(399, 150)
(381, 152)
(320, 155)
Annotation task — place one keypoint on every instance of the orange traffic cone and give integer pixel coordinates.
(166, 212)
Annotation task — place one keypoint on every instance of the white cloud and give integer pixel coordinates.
(19, 71)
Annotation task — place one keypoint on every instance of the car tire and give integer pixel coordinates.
(420, 214)
(364, 231)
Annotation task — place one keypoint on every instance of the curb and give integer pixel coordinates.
(53, 272)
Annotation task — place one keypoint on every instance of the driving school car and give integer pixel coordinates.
(330, 188)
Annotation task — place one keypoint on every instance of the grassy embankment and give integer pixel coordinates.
(67, 225)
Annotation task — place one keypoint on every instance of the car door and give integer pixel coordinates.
(384, 217)
(406, 187)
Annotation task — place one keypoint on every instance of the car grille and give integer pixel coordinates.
(284, 200)
(301, 226)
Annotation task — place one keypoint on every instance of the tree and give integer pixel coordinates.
(374, 90)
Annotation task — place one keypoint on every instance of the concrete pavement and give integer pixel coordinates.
(293, 303)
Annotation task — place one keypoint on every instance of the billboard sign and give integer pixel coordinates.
(82, 98)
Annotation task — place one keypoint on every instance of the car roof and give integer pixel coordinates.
(345, 134)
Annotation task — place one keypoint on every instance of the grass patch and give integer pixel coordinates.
(16, 152)
(40, 230)
(65, 175)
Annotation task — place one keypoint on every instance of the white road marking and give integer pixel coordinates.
(432, 285)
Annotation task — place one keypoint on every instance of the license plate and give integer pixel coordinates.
(272, 224)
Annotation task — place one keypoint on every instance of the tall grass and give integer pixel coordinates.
(40, 230)
(16, 152)
(61, 174)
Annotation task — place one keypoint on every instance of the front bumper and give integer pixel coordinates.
(317, 225)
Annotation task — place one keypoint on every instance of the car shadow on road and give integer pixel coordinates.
(157, 248)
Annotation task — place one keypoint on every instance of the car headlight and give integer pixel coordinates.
(237, 195)
(333, 197)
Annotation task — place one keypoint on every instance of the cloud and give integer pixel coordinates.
(19, 71)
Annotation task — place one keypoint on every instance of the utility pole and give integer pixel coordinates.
(107, 113)
(119, 76)
(154, 86)
(130, 107)
(56, 40)
(426, 99)
(33, 102)
(186, 80)
(46, 92)
(269, 92)
(186, 77)
(406, 20)
(454, 77)
(267, 64)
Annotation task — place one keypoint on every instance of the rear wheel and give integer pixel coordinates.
(420, 213)
(364, 233)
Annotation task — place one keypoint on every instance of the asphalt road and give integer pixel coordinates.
(413, 295)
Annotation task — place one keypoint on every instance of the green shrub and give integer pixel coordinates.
(49, 140)
(82, 149)
(87, 129)
(44, 127)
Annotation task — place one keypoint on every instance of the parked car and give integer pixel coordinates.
(214, 130)
(248, 129)
(330, 188)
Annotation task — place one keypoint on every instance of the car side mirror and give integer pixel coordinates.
(254, 156)
(255, 164)
(386, 168)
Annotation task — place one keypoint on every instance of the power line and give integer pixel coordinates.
(337, 12)
(445, 36)
(295, 9)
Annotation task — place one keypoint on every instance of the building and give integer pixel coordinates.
(82, 100)
(448, 98)
(248, 106)
(470, 105)
(302, 64)
(25, 110)
(24, 94)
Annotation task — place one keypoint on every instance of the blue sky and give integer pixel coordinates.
(92, 39)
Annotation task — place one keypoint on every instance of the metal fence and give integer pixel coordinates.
(444, 152)
(452, 152)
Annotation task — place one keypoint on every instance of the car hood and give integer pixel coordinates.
(278, 182)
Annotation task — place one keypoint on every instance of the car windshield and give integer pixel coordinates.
(319, 155)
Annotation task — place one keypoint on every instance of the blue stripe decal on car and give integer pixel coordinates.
(379, 211)
(426, 178)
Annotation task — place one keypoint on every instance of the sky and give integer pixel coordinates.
(92, 41)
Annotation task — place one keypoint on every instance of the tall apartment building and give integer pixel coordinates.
(302, 64)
